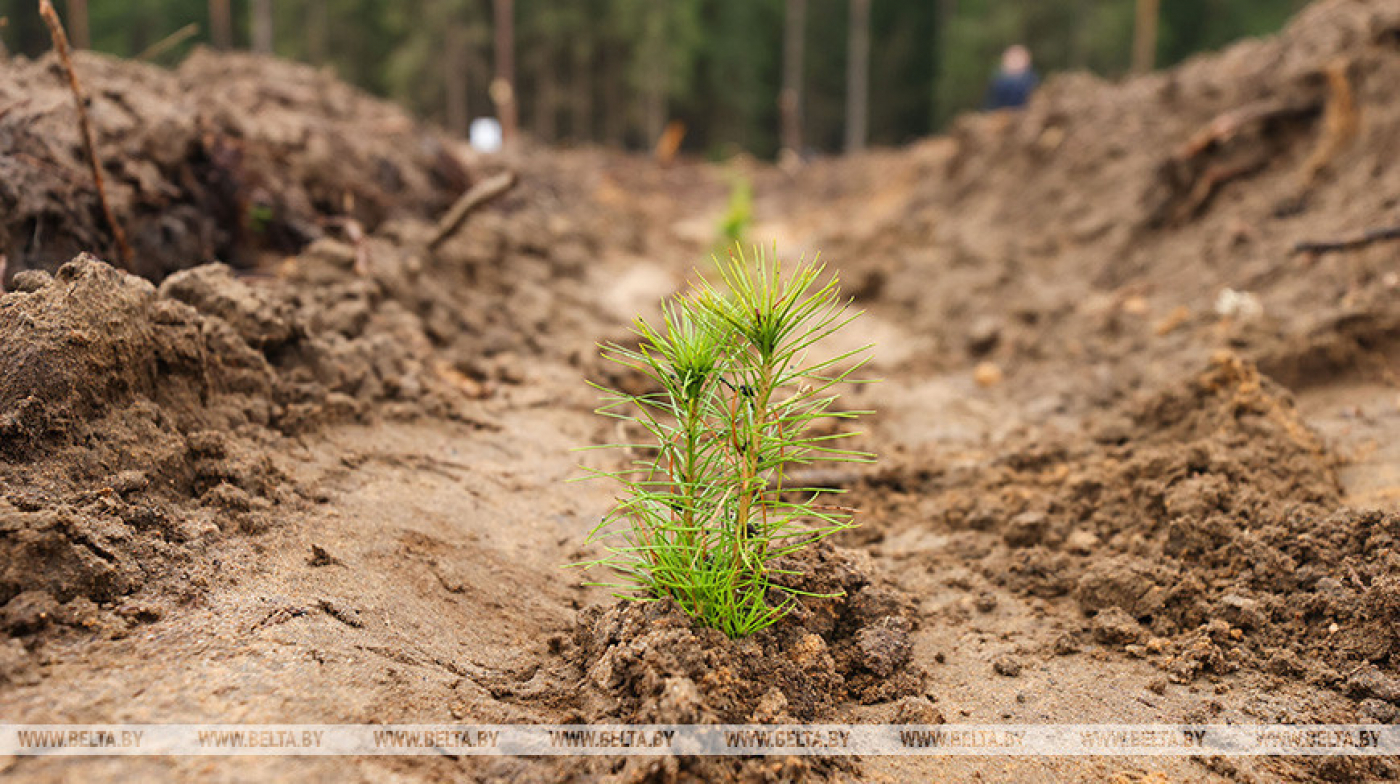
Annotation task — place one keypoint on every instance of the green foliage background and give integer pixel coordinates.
(930, 59)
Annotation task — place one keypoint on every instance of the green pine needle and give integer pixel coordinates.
(702, 519)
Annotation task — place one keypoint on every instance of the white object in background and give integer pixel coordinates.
(1241, 304)
(486, 134)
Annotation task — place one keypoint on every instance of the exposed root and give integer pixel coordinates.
(1352, 242)
(1340, 122)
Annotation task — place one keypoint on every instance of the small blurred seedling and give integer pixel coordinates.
(738, 214)
(704, 517)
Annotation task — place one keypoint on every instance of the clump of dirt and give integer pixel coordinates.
(210, 351)
(1200, 528)
(649, 663)
(91, 338)
(115, 403)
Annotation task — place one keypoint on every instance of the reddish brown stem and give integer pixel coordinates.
(60, 45)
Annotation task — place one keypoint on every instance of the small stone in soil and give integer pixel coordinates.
(916, 710)
(1113, 626)
(1008, 666)
(985, 602)
(987, 374)
(320, 557)
(1065, 645)
(129, 482)
(1379, 711)
(1081, 542)
(28, 612)
(983, 336)
(1026, 529)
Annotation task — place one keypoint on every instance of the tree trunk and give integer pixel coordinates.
(78, 30)
(318, 29)
(858, 76)
(262, 26)
(657, 78)
(614, 106)
(790, 100)
(221, 24)
(581, 107)
(1145, 35)
(140, 31)
(943, 11)
(546, 93)
(1079, 43)
(503, 87)
(454, 79)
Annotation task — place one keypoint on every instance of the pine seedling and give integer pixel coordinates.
(705, 516)
(738, 213)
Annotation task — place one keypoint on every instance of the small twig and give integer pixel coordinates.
(354, 232)
(1352, 242)
(479, 195)
(60, 44)
(169, 42)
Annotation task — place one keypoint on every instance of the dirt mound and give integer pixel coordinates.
(1134, 228)
(88, 339)
(114, 406)
(226, 157)
(118, 404)
(206, 348)
(137, 423)
(1198, 528)
(648, 663)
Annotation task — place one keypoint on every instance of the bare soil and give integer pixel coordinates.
(1139, 455)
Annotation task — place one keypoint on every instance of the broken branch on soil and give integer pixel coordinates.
(477, 196)
(169, 42)
(60, 45)
(1359, 240)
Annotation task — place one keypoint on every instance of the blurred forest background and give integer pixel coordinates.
(750, 75)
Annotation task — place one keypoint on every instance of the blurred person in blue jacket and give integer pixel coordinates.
(1014, 83)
